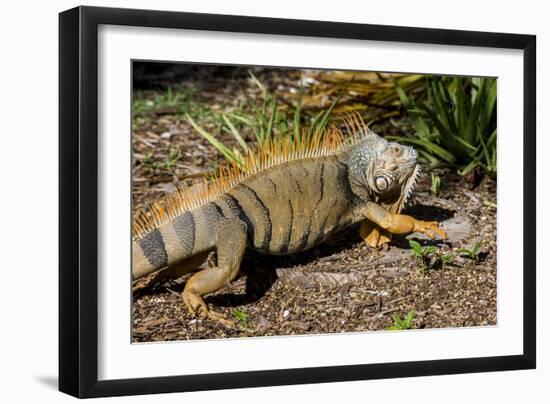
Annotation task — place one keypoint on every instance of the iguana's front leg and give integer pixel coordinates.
(231, 244)
(401, 224)
(373, 234)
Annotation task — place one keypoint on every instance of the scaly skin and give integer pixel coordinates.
(285, 209)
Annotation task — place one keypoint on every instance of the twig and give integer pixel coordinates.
(380, 314)
(400, 299)
(173, 292)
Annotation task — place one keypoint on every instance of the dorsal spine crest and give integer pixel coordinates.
(273, 152)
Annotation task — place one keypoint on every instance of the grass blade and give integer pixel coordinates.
(258, 84)
(421, 127)
(460, 106)
(489, 107)
(240, 118)
(270, 124)
(227, 153)
(471, 127)
(297, 112)
(233, 130)
(469, 167)
(324, 117)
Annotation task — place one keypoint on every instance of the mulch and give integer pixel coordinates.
(341, 286)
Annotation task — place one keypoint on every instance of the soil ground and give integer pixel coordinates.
(341, 286)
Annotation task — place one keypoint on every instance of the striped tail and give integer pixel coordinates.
(184, 236)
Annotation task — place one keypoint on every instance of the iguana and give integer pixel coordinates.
(287, 196)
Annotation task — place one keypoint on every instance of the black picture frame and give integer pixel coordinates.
(78, 201)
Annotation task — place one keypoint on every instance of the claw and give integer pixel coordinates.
(219, 317)
(431, 229)
(197, 307)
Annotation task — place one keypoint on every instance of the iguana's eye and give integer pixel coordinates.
(381, 183)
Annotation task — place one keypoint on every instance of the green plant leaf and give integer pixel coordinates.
(244, 120)
(397, 320)
(282, 124)
(240, 315)
(409, 319)
(445, 259)
(269, 131)
(436, 184)
(233, 130)
(450, 140)
(471, 127)
(477, 247)
(421, 127)
(428, 250)
(227, 153)
(298, 111)
(456, 124)
(259, 85)
(488, 109)
(402, 324)
(441, 101)
(471, 165)
(460, 106)
(431, 160)
(322, 123)
(416, 247)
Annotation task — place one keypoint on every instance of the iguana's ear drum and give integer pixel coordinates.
(381, 183)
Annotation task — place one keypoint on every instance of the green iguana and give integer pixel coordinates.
(287, 196)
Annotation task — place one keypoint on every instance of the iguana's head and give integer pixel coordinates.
(387, 169)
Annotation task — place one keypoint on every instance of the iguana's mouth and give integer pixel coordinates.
(411, 182)
(407, 190)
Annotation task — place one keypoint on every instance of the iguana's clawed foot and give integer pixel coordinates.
(197, 306)
(430, 229)
(374, 236)
(219, 317)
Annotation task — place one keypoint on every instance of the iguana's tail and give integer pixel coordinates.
(186, 235)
